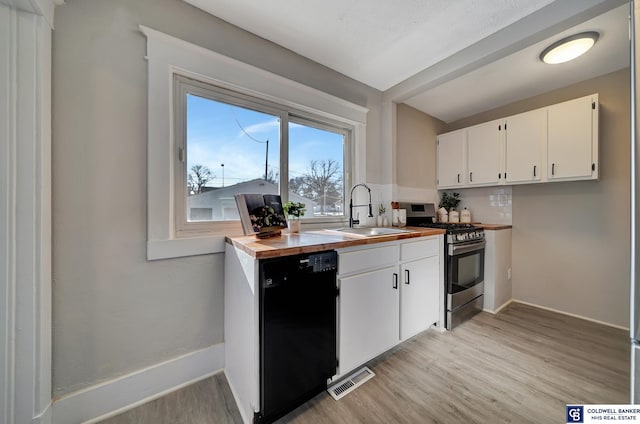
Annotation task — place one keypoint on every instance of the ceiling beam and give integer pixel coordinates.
(546, 22)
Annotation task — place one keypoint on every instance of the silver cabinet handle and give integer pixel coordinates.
(407, 276)
(395, 281)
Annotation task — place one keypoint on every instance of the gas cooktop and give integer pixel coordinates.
(449, 226)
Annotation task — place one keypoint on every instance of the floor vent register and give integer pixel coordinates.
(349, 384)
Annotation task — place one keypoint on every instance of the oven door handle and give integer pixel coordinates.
(465, 248)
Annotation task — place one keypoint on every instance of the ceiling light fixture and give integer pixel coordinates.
(569, 48)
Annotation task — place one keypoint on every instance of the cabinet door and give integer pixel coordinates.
(483, 154)
(525, 136)
(451, 171)
(419, 296)
(570, 139)
(369, 316)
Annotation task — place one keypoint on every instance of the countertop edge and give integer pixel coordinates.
(493, 227)
(315, 241)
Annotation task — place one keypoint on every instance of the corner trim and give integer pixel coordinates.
(113, 397)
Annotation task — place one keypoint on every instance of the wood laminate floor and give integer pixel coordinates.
(520, 366)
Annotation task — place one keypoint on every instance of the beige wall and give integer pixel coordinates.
(571, 240)
(113, 311)
(416, 148)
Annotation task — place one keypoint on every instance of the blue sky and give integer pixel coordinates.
(218, 133)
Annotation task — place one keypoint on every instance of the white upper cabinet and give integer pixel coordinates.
(484, 145)
(525, 137)
(451, 154)
(554, 143)
(572, 139)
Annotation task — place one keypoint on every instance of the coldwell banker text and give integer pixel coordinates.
(599, 413)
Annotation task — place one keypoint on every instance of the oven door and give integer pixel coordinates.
(465, 273)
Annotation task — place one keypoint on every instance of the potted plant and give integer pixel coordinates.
(449, 201)
(294, 210)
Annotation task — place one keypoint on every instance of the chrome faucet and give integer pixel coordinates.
(351, 205)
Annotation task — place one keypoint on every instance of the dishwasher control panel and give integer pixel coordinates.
(319, 262)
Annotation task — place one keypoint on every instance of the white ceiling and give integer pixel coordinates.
(522, 74)
(449, 59)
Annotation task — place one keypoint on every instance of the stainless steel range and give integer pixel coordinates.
(464, 246)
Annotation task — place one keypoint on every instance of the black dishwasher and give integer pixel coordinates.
(297, 330)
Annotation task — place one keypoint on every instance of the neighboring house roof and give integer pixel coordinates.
(219, 203)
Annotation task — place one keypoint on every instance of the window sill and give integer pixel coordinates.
(192, 246)
(177, 248)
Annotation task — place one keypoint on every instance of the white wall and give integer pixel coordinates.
(114, 312)
(415, 153)
(571, 240)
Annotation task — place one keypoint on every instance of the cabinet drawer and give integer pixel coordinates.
(367, 259)
(419, 249)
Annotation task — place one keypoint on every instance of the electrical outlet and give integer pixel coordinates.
(509, 274)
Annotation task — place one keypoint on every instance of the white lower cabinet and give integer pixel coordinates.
(394, 294)
(419, 296)
(368, 316)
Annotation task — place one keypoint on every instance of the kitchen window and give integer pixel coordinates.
(230, 143)
(304, 125)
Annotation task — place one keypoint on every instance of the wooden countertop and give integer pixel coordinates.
(492, 227)
(316, 241)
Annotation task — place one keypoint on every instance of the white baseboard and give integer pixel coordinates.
(46, 417)
(113, 397)
(501, 307)
(608, 324)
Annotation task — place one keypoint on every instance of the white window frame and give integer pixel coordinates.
(166, 56)
(184, 86)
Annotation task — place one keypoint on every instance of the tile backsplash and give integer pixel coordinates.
(489, 205)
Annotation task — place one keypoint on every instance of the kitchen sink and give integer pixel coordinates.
(369, 231)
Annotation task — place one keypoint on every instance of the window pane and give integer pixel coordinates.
(227, 149)
(316, 169)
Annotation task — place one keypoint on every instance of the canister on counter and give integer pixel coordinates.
(443, 215)
(399, 217)
(465, 215)
(454, 216)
